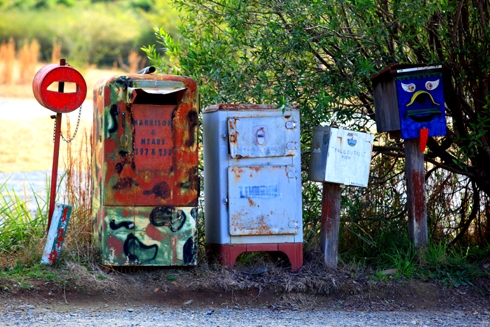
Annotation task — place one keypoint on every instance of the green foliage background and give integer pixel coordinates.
(320, 55)
(91, 32)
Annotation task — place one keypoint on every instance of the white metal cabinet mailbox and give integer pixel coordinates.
(252, 181)
(340, 156)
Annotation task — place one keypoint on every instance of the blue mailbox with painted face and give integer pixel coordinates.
(410, 99)
(420, 102)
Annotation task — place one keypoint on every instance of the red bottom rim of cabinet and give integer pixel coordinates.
(228, 253)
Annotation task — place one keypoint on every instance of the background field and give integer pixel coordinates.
(26, 129)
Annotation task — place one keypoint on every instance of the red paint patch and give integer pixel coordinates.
(117, 245)
(418, 182)
(65, 215)
(424, 136)
(60, 237)
(154, 233)
(53, 256)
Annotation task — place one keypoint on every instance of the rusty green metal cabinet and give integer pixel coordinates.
(145, 178)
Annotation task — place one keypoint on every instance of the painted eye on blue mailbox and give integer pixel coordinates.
(430, 85)
(408, 87)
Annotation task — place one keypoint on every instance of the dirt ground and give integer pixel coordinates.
(250, 286)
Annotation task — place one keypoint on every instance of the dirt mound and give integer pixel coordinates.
(254, 287)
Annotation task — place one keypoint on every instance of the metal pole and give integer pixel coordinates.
(329, 237)
(416, 201)
(56, 151)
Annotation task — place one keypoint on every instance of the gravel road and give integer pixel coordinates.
(28, 315)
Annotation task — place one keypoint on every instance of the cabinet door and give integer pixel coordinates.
(256, 137)
(262, 200)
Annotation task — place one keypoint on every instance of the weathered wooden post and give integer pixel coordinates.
(409, 103)
(338, 157)
(329, 238)
(417, 209)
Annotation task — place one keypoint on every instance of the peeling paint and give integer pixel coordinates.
(145, 164)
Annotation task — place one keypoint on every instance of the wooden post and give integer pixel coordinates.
(329, 238)
(417, 208)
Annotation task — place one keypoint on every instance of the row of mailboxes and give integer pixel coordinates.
(146, 183)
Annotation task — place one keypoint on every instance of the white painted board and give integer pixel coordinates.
(340, 156)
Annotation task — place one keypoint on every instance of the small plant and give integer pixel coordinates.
(403, 261)
(449, 266)
(380, 276)
(171, 277)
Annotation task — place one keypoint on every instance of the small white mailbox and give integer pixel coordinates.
(340, 156)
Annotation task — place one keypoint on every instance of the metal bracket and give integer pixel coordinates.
(291, 172)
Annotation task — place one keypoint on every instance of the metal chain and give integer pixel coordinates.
(74, 133)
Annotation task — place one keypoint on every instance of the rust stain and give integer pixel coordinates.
(419, 198)
(244, 107)
(160, 190)
(251, 202)
(193, 122)
(255, 227)
(237, 170)
(257, 168)
(117, 245)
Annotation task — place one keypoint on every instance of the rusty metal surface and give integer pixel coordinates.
(59, 101)
(145, 159)
(257, 195)
(256, 137)
(242, 107)
(54, 169)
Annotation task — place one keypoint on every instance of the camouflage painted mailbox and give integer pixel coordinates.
(145, 170)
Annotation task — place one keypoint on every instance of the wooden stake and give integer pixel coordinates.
(417, 208)
(329, 238)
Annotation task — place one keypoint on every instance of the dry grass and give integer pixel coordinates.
(28, 57)
(135, 63)
(17, 68)
(28, 144)
(56, 53)
(78, 194)
(7, 58)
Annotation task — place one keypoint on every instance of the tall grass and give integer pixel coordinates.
(28, 58)
(56, 52)
(7, 58)
(18, 66)
(135, 62)
(78, 193)
(22, 236)
(22, 231)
